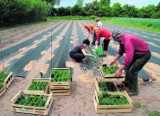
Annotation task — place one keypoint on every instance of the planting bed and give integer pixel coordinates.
(5, 80)
(60, 81)
(112, 102)
(27, 102)
(39, 85)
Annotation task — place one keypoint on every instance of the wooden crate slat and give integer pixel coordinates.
(59, 94)
(9, 80)
(60, 87)
(2, 90)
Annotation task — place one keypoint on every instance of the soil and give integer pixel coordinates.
(80, 102)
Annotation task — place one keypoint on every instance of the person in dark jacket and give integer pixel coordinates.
(79, 52)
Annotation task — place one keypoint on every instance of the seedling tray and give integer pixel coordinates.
(113, 108)
(110, 86)
(39, 80)
(59, 87)
(32, 109)
(112, 75)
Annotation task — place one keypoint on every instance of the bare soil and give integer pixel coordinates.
(80, 102)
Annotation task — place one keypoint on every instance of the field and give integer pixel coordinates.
(45, 47)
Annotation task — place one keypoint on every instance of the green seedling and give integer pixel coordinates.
(60, 75)
(108, 99)
(137, 105)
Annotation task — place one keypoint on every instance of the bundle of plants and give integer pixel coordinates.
(109, 70)
(36, 85)
(3, 76)
(107, 86)
(60, 75)
(108, 99)
(32, 100)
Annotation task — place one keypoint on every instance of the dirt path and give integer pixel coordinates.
(10, 36)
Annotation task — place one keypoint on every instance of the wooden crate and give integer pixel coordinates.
(32, 109)
(39, 80)
(9, 79)
(60, 88)
(113, 108)
(121, 78)
(97, 80)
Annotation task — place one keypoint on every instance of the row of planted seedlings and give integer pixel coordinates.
(37, 98)
(6, 79)
(107, 97)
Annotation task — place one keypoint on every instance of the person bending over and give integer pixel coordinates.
(137, 54)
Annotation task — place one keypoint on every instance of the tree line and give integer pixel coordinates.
(20, 11)
(103, 8)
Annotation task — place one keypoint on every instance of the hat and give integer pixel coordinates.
(116, 33)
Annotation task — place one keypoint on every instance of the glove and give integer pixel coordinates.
(89, 53)
(94, 56)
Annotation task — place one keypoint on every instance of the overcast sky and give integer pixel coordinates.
(137, 3)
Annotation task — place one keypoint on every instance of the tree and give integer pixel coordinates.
(116, 9)
(157, 14)
(79, 3)
(53, 2)
(104, 2)
(91, 8)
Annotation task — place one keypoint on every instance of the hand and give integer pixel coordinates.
(118, 73)
(112, 63)
(96, 47)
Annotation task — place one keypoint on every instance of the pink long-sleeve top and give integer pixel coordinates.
(132, 45)
(103, 33)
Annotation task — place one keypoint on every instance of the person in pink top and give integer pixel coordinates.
(102, 32)
(137, 54)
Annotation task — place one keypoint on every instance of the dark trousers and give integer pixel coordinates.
(105, 44)
(76, 56)
(94, 39)
(132, 70)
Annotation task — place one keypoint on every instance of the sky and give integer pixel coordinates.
(137, 3)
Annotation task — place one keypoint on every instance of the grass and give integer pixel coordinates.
(71, 18)
(139, 23)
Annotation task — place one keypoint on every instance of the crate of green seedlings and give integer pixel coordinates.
(33, 103)
(107, 102)
(39, 85)
(109, 71)
(102, 85)
(5, 80)
(60, 81)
